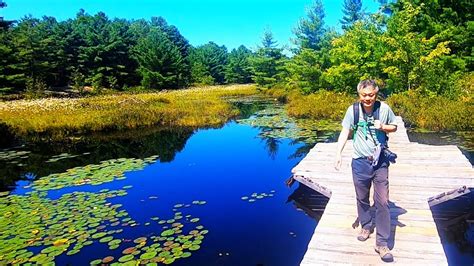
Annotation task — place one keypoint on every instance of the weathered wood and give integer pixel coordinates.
(421, 171)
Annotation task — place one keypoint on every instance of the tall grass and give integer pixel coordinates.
(435, 113)
(58, 118)
(321, 105)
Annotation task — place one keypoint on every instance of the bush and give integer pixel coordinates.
(322, 104)
(433, 112)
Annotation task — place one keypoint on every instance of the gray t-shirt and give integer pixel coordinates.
(364, 144)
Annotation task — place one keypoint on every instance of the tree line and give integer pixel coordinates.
(93, 50)
(407, 44)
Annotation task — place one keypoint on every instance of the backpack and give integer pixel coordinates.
(356, 108)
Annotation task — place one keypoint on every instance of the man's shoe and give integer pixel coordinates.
(363, 234)
(384, 253)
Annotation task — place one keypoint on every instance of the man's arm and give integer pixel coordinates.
(341, 142)
(386, 128)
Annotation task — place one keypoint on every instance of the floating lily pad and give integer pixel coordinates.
(129, 250)
(140, 240)
(194, 247)
(95, 262)
(107, 259)
(99, 235)
(126, 258)
(106, 239)
(186, 255)
(148, 255)
(167, 232)
(194, 220)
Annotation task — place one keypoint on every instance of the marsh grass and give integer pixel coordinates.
(321, 105)
(435, 113)
(57, 118)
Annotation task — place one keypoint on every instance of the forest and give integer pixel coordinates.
(414, 49)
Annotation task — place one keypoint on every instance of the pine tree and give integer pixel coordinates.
(208, 63)
(160, 62)
(352, 10)
(267, 63)
(238, 69)
(310, 30)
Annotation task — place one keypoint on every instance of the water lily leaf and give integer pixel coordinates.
(186, 255)
(140, 240)
(106, 239)
(99, 235)
(126, 258)
(167, 232)
(129, 250)
(194, 247)
(96, 262)
(148, 255)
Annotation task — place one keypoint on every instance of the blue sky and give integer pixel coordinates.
(230, 23)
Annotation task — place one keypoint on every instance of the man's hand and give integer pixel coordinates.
(338, 162)
(378, 125)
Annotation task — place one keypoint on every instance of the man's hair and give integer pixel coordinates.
(367, 83)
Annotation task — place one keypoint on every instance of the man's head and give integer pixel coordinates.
(367, 90)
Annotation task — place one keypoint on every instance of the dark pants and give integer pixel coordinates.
(363, 175)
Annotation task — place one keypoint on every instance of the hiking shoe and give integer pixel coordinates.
(363, 234)
(384, 253)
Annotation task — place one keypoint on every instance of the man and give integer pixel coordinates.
(368, 134)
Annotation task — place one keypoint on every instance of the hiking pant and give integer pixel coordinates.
(363, 175)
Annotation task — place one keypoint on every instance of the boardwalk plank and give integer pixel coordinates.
(421, 171)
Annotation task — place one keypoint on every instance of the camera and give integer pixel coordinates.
(389, 155)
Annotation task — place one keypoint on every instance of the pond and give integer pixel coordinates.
(205, 197)
(181, 197)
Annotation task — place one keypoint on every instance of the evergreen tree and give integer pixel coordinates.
(208, 63)
(267, 63)
(310, 30)
(180, 42)
(238, 69)
(352, 10)
(160, 62)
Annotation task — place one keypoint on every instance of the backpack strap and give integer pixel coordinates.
(356, 111)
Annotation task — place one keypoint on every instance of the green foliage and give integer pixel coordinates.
(208, 64)
(268, 62)
(238, 69)
(310, 30)
(305, 70)
(355, 56)
(435, 112)
(160, 61)
(352, 10)
(320, 105)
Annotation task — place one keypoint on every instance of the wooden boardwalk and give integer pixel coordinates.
(421, 171)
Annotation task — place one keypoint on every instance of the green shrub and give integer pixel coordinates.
(436, 113)
(320, 105)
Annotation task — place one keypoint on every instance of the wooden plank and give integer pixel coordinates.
(421, 171)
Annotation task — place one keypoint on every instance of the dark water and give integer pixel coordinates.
(454, 216)
(218, 166)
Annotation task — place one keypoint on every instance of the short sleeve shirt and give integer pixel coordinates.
(364, 144)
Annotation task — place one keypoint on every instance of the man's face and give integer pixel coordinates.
(367, 96)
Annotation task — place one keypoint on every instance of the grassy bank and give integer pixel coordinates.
(435, 113)
(58, 118)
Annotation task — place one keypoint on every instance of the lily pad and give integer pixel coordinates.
(148, 255)
(126, 258)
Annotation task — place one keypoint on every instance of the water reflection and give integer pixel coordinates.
(454, 217)
(39, 159)
(309, 201)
